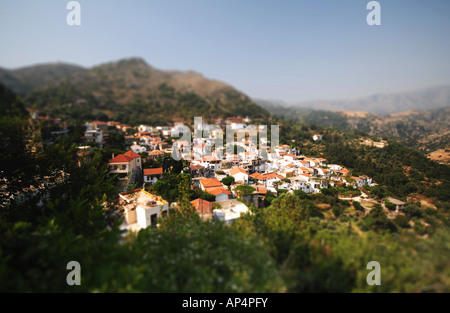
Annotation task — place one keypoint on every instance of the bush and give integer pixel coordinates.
(402, 221)
(358, 206)
(343, 218)
(378, 221)
(413, 211)
(336, 211)
(418, 228)
(301, 194)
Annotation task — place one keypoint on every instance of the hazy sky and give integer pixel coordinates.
(292, 50)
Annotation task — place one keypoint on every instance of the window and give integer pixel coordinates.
(124, 167)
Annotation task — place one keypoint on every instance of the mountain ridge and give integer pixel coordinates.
(386, 103)
(129, 89)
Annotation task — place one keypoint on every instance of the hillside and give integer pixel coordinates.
(428, 129)
(25, 79)
(426, 99)
(134, 92)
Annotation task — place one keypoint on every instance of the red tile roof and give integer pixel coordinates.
(257, 176)
(153, 171)
(202, 206)
(237, 170)
(121, 158)
(217, 191)
(132, 155)
(156, 152)
(210, 182)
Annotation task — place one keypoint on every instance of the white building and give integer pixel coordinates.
(142, 209)
(94, 135)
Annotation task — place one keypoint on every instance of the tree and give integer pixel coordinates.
(402, 221)
(336, 211)
(228, 181)
(357, 206)
(243, 190)
(378, 221)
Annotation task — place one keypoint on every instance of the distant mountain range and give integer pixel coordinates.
(130, 90)
(429, 129)
(426, 99)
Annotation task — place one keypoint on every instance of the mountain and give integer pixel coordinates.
(25, 79)
(426, 99)
(428, 129)
(134, 92)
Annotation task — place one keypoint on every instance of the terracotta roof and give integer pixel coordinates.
(132, 155)
(156, 152)
(257, 176)
(237, 170)
(202, 206)
(153, 171)
(209, 158)
(210, 182)
(345, 170)
(306, 175)
(272, 175)
(121, 158)
(217, 191)
(195, 167)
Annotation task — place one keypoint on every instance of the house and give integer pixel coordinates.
(361, 181)
(304, 163)
(142, 209)
(137, 148)
(229, 211)
(145, 128)
(99, 125)
(203, 207)
(125, 164)
(212, 162)
(399, 205)
(151, 175)
(210, 183)
(301, 183)
(196, 170)
(317, 137)
(94, 135)
(269, 179)
(346, 172)
(239, 174)
(220, 193)
(154, 154)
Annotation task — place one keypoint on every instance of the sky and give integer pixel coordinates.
(288, 50)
